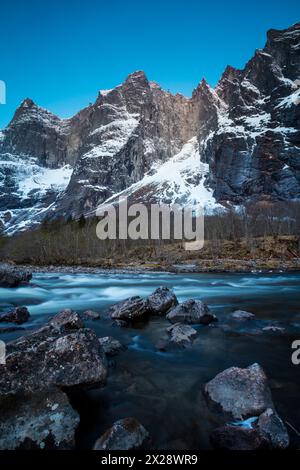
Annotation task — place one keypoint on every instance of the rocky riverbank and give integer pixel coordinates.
(205, 266)
(12, 276)
(44, 367)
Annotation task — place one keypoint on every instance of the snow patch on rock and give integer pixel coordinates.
(113, 136)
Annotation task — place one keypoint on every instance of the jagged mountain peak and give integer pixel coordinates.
(204, 85)
(284, 46)
(230, 74)
(27, 103)
(29, 111)
(137, 75)
(203, 88)
(154, 85)
(284, 34)
(208, 100)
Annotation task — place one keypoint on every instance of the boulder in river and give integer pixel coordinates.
(125, 434)
(42, 421)
(18, 315)
(181, 334)
(90, 315)
(60, 355)
(12, 276)
(48, 358)
(132, 309)
(242, 315)
(111, 346)
(162, 300)
(66, 320)
(240, 393)
(272, 428)
(264, 432)
(191, 311)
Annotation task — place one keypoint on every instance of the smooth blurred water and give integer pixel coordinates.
(164, 390)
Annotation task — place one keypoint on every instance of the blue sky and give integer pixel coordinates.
(60, 53)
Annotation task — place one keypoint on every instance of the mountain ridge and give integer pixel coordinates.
(243, 135)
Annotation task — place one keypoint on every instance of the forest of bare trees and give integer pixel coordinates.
(260, 230)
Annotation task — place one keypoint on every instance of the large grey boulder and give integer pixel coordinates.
(181, 334)
(43, 421)
(18, 315)
(60, 355)
(129, 310)
(48, 358)
(240, 393)
(125, 434)
(191, 311)
(162, 300)
(12, 276)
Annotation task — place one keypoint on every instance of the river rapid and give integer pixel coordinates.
(163, 390)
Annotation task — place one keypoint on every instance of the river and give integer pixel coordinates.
(163, 390)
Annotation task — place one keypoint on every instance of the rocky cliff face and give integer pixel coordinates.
(254, 152)
(236, 143)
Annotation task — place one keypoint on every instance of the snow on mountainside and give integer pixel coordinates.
(233, 144)
(113, 136)
(33, 190)
(180, 180)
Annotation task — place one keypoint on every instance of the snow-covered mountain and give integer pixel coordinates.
(235, 143)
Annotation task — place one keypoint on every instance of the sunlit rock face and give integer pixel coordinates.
(236, 143)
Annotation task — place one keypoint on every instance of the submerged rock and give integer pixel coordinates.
(242, 315)
(110, 345)
(19, 315)
(125, 434)
(162, 300)
(191, 311)
(273, 329)
(134, 308)
(12, 276)
(120, 323)
(43, 421)
(181, 334)
(240, 393)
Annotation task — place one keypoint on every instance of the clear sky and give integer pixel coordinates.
(60, 53)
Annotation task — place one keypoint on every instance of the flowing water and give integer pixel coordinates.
(163, 390)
